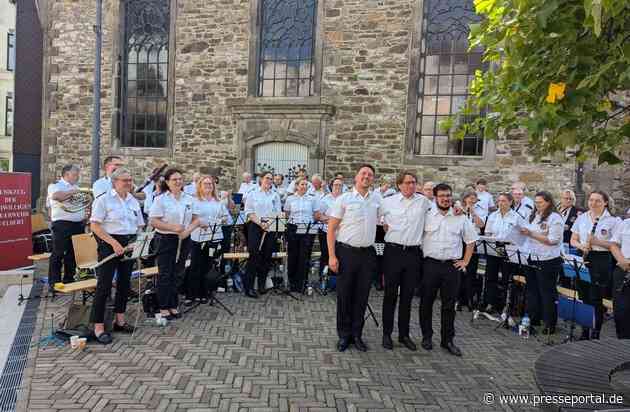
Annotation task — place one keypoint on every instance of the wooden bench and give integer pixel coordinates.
(569, 293)
(39, 257)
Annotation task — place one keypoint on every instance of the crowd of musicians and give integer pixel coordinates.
(430, 245)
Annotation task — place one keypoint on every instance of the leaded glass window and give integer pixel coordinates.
(287, 33)
(145, 73)
(446, 70)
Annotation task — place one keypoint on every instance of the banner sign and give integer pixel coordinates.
(15, 220)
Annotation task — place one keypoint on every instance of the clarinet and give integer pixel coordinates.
(593, 230)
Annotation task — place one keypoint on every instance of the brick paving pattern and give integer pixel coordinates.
(276, 356)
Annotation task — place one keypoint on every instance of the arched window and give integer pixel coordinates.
(144, 74)
(445, 73)
(287, 48)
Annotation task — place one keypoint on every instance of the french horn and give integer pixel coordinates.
(78, 202)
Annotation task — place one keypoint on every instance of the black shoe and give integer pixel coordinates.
(176, 315)
(262, 291)
(452, 349)
(188, 302)
(251, 294)
(595, 335)
(125, 328)
(387, 342)
(586, 334)
(458, 307)
(426, 344)
(408, 343)
(104, 338)
(204, 301)
(360, 345)
(549, 330)
(343, 344)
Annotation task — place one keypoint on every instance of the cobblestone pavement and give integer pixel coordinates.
(278, 355)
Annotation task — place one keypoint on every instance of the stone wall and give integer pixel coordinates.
(359, 116)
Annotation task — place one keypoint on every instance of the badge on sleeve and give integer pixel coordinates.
(604, 232)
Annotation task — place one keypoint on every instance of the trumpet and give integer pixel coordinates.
(78, 202)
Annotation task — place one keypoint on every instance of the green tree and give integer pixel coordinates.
(554, 67)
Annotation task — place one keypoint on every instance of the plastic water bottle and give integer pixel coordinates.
(309, 290)
(524, 328)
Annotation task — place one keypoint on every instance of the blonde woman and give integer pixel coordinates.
(206, 239)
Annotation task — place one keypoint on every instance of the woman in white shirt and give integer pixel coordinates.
(591, 235)
(500, 226)
(206, 239)
(336, 190)
(171, 216)
(620, 249)
(477, 216)
(116, 217)
(543, 231)
(302, 212)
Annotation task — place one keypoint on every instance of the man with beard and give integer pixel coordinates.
(351, 234)
(444, 232)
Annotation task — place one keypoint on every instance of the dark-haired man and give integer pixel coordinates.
(351, 235)
(444, 232)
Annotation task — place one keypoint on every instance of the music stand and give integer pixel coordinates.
(490, 247)
(575, 270)
(278, 225)
(213, 298)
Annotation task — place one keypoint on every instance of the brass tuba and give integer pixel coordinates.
(79, 201)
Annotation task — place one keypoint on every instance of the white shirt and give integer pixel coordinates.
(524, 209)
(190, 189)
(263, 204)
(583, 226)
(245, 188)
(281, 191)
(211, 213)
(149, 191)
(359, 216)
(319, 194)
(405, 218)
(444, 234)
(56, 212)
(324, 207)
(621, 236)
(554, 227)
(102, 185)
(301, 208)
(389, 192)
(485, 201)
(171, 210)
(116, 215)
(502, 226)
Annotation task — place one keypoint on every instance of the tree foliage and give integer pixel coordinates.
(553, 69)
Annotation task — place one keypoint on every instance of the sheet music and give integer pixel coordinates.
(313, 228)
(211, 234)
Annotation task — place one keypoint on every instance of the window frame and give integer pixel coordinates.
(416, 74)
(10, 51)
(8, 98)
(120, 77)
(255, 46)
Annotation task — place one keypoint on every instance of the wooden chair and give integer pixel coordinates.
(85, 253)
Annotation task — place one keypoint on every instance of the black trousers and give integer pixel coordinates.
(495, 265)
(402, 268)
(442, 276)
(170, 271)
(594, 292)
(467, 281)
(377, 280)
(200, 264)
(259, 261)
(356, 270)
(63, 251)
(542, 292)
(323, 245)
(299, 248)
(621, 304)
(105, 274)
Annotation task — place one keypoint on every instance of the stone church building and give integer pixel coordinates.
(227, 86)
